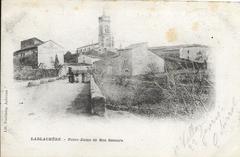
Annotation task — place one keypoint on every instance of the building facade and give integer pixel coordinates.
(134, 60)
(30, 42)
(87, 48)
(48, 52)
(36, 53)
(180, 57)
(195, 54)
(86, 59)
(191, 52)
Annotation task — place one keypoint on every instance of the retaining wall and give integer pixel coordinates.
(98, 101)
(42, 81)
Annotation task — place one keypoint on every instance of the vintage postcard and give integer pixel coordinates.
(120, 78)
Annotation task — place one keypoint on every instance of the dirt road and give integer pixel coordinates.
(53, 99)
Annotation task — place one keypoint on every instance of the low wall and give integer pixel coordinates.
(98, 101)
(27, 73)
(42, 81)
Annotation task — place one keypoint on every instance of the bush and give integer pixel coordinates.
(174, 94)
(34, 74)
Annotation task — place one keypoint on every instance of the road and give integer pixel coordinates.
(53, 99)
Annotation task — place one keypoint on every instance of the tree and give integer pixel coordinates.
(56, 62)
(57, 65)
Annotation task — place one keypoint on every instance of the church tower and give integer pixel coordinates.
(105, 38)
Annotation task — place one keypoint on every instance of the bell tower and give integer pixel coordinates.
(105, 38)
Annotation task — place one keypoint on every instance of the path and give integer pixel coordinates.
(53, 99)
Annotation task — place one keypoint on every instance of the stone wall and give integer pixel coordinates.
(98, 101)
(27, 73)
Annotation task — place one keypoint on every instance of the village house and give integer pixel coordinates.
(87, 59)
(87, 48)
(134, 60)
(194, 53)
(36, 53)
(183, 56)
(178, 51)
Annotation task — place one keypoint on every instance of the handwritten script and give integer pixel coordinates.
(211, 132)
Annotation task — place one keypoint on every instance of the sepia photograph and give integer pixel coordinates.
(120, 78)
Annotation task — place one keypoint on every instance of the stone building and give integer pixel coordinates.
(30, 42)
(36, 53)
(134, 60)
(194, 53)
(87, 48)
(87, 59)
(188, 51)
(179, 57)
(105, 38)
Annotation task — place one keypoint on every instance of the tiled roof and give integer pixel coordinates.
(87, 45)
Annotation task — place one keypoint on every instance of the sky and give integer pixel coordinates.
(74, 23)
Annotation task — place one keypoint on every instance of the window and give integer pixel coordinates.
(125, 62)
(107, 29)
(101, 30)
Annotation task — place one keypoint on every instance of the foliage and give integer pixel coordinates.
(152, 70)
(182, 91)
(34, 74)
(56, 62)
(29, 60)
(70, 58)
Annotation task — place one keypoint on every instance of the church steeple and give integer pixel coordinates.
(105, 38)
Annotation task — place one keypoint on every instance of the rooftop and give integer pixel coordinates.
(33, 38)
(34, 46)
(88, 45)
(137, 45)
(174, 47)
